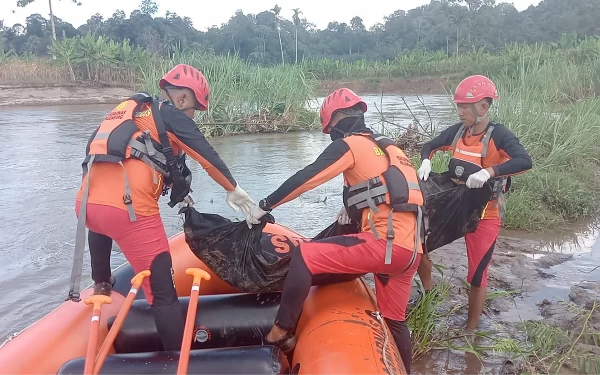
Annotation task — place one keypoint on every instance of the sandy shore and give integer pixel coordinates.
(11, 96)
(14, 96)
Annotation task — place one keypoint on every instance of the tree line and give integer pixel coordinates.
(276, 36)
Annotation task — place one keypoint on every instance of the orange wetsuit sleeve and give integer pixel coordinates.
(335, 159)
(184, 132)
(443, 142)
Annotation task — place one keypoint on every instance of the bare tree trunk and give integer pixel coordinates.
(52, 23)
(457, 41)
(71, 71)
(296, 45)
(52, 20)
(280, 45)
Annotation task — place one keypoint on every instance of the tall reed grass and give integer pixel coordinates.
(244, 97)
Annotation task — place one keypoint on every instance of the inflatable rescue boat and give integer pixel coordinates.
(339, 331)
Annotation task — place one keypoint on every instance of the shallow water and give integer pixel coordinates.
(42, 155)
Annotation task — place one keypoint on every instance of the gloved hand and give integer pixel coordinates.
(239, 199)
(254, 216)
(342, 217)
(186, 202)
(476, 180)
(424, 170)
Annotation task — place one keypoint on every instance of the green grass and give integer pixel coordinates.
(528, 347)
(244, 97)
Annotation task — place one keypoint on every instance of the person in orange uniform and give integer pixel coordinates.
(381, 191)
(135, 156)
(482, 152)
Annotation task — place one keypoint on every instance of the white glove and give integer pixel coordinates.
(424, 170)
(254, 216)
(476, 180)
(342, 217)
(186, 202)
(239, 199)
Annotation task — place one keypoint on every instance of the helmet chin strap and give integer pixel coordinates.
(477, 117)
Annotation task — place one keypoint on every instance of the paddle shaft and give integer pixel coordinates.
(114, 330)
(97, 301)
(190, 320)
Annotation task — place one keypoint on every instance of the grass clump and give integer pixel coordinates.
(244, 97)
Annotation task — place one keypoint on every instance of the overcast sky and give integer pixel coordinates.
(206, 13)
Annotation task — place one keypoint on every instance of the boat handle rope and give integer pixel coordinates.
(379, 318)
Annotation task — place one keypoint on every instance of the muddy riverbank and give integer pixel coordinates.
(550, 279)
(48, 95)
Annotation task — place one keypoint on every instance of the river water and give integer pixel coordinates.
(42, 155)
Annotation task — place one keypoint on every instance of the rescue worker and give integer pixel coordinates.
(135, 155)
(388, 243)
(482, 152)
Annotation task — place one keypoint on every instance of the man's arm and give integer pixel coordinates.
(184, 132)
(508, 144)
(335, 159)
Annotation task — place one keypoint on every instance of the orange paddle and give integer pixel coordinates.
(114, 330)
(97, 300)
(184, 356)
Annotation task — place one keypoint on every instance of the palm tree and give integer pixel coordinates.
(296, 19)
(276, 10)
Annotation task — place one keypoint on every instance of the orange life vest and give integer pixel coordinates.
(397, 187)
(467, 160)
(116, 139)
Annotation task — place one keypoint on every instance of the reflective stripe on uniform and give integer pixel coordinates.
(469, 153)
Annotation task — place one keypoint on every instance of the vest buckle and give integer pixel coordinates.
(127, 199)
(390, 234)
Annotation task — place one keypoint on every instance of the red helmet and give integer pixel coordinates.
(474, 88)
(339, 99)
(183, 75)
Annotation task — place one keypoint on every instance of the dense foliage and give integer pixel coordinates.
(451, 26)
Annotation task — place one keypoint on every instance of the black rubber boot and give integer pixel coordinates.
(104, 287)
(287, 343)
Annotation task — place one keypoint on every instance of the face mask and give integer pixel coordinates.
(347, 125)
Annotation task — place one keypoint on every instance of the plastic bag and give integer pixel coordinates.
(453, 210)
(248, 259)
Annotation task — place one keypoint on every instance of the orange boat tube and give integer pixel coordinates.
(339, 331)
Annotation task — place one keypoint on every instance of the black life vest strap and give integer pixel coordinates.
(167, 151)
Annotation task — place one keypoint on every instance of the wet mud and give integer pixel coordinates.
(545, 285)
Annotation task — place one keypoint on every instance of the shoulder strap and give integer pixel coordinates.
(162, 135)
(458, 135)
(486, 140)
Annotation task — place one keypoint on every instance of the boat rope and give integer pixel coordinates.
(379, 318)
(377, 315)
